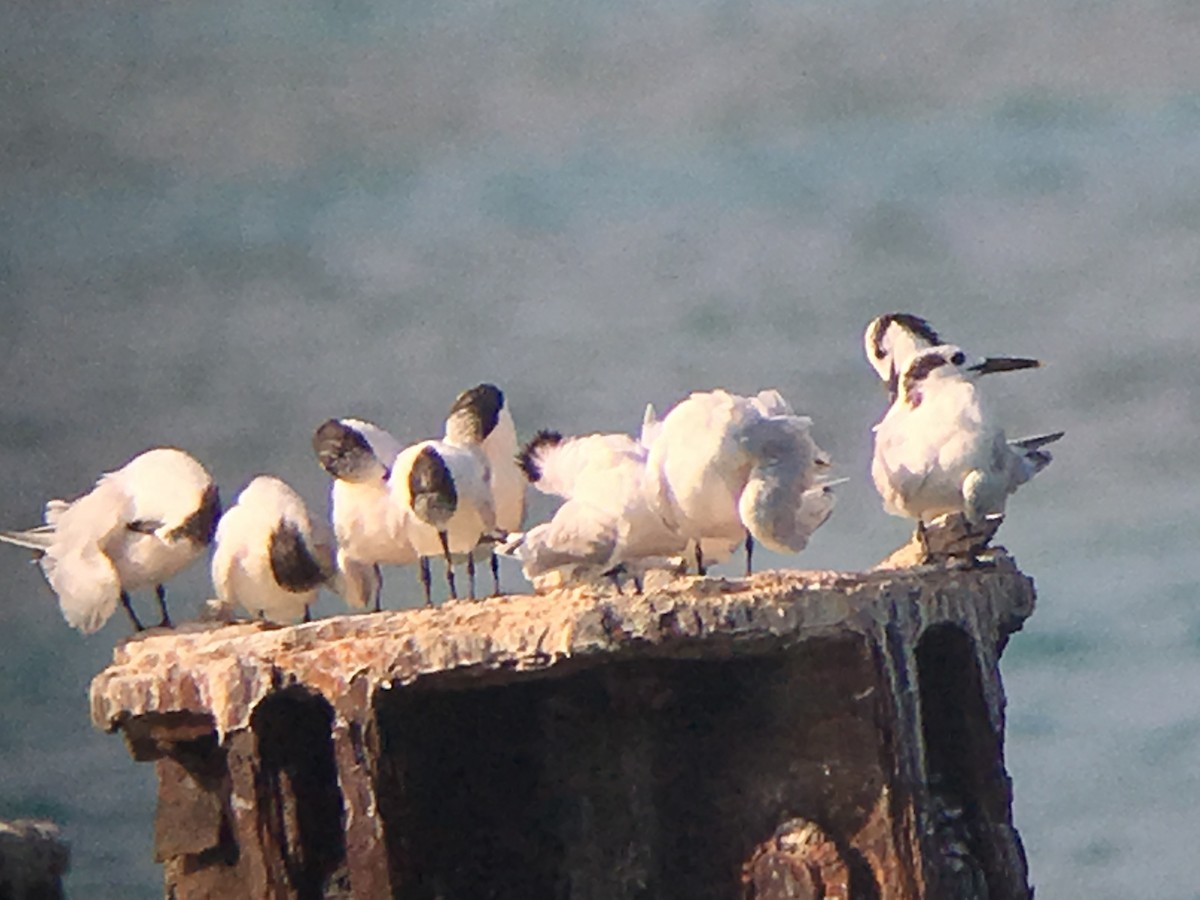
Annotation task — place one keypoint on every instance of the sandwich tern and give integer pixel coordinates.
(606, 526)
(483, 410)
(710, 448)
(444, 491)
(939, 451)
(271, 556)
(891, 340)
(138, 527)
(371, 529)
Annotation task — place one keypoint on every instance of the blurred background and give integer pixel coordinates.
(225, 222)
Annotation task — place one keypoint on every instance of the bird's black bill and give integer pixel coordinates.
(1004, 364)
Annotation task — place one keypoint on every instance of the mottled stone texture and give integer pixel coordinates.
(791, 735)
(33, 860)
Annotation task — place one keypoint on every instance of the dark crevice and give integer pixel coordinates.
(969, 800)
(640, 780)
(298, 787)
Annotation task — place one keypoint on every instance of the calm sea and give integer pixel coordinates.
(223, 222)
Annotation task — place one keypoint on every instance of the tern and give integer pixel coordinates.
(138, 527)
(891, 340)
(483, 410)
(607, 525)
(271, 556)
(725, 469)
(371, 529)
(939, 451)
(444, 489)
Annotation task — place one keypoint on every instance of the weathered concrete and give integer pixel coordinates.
(796, 734)
(33, 860)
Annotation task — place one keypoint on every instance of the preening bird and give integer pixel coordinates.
(371, 529)
(891, 340)
(607, 525)
(939, 450)
(138, 527)
(444, 490)
(271, 556)
(714, 445)
(483, 410)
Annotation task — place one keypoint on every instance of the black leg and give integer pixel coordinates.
(749, 554)
(425, 579)
(495, 574)
(449, 564)
(637, 583)
(137, 625)
(378, 589)
(161, 593)
(471, 575)
(700, 570)
(614, 575)
(307, 613)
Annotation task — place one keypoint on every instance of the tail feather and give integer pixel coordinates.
(36, 539)
(1032, 457)
(1037, 441)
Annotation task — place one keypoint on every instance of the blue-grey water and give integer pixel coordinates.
(223, 222)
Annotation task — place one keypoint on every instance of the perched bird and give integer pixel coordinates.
(371, 529)
(445, 492)
(483, 410)
(271, 556)
(891, 340)
(710, 448)
(137, 528)
(607, 526)
(938, 450)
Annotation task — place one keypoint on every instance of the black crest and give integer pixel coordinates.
(434, 497)
(483, 403)
(340, 449)
(201, 525)
(527, 458)
(917, 372)
(292, 563)
(910, 323)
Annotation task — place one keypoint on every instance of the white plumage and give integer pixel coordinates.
(138, 527)
(271, 556)
(607, 526)
(939, 450)
(891, 340)
(371, 529)
(480, 417)
(714, 445)
(445, 493)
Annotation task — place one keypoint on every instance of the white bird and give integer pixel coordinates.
(271, 556)
(483, 410)
(445, 491)
(607, 526)
(710, 448)
(891, 340)
(371, 529)
(938, 450)
(138, 527)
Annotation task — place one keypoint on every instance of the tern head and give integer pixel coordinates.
(947, 362)
(293, 564)
(201, 526)
(431, 487)
(528, 460)
(345, 452)
(474, 414)
(892, 339)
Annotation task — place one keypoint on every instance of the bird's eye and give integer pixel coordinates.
(958, 358)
